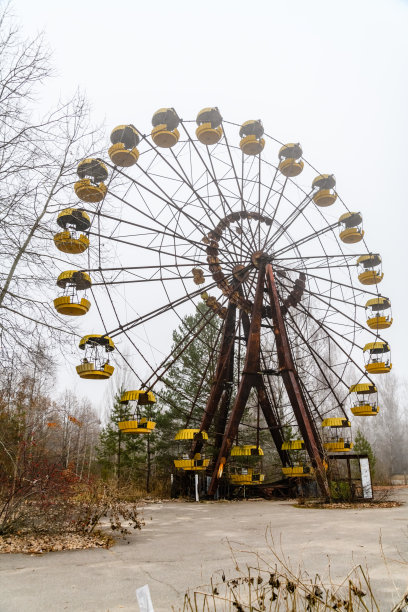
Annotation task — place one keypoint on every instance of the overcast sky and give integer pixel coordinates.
(331, 75)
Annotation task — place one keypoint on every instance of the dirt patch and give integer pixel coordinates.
(349, 505)
(40, 544)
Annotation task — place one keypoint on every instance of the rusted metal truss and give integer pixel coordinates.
(227, 419)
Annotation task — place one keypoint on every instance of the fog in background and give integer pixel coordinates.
(330, 75)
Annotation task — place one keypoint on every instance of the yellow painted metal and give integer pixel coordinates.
(377, 347)
(88, 192)
(293, 445)
(97, 340)
(379, 322)
(365, 409)
(209, 115)
(338, 446)
(95, 168)
(143, 426)
(363, 388)
(378, 367)
(351, 219)
(65, 306)
(74, 216)
(191, 465)
(370, 277)
(164, 138)
(324, 181)
(65, 243)
(336, 422)
(126, 135)
(190, 434)
(351, 235)
(251, 478)
(81, 280)
(246, 450)
(371, 260)
(167, 117)
(251, 145)
(289, 167)
(141, 396)
(324, 197)
(298, 471)
(121, 156)
(377, 304)
(290, 150)
(208, 135)
(88, 371)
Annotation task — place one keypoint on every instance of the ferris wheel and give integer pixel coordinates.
(210, 210)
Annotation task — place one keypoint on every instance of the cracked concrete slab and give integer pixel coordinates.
(183, 544)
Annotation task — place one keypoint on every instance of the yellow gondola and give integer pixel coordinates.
(251, 142)
(370, 269)
(298, 471)
(293, 445)
(290, 163)
(142, 426)
(95, 365)
(209, 130)
(165, 133)
(91, 188)
(324, 196)
(69, 303)
(350, 227)
(124, 139)
(376, 362)
(191, 465)
(336, 441)
(247, 450)
(377, 317)
(245, 476)
(198, 463)
(139, 424)
(364, 399)
(72, 220)
(198, 276)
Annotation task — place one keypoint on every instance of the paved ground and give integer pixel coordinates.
(182, 544)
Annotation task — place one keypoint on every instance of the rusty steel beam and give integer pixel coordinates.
(263, 399)
(291, 381)
(221, 376)
(249, 379)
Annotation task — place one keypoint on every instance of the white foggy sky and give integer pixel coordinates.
(331, 75)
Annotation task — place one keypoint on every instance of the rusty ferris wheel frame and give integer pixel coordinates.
(288, 285)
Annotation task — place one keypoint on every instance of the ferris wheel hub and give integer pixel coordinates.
(260, 257)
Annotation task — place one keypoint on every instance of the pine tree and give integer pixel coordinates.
(362, 445)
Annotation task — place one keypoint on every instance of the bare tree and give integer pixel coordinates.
(38, 157)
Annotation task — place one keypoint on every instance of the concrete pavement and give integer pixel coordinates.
(183, 544)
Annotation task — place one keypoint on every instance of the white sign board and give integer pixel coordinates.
(143, 599)
(366, 478)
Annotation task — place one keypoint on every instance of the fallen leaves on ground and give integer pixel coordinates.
(351, 506)
(39, 544)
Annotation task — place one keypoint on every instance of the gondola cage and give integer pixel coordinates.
(95, 363)
(209, 130)
(251, 133)
(246, 465)
(69, 303)
(324, 194)
(196, 464)
(72, 221)
(351, 230)
(370, 269)
(336, 435)
(290, 163)
(378, 312)
(364, 400)
(165, 122)
(92, 174)
(377, 357)
(124, 152)
(140, 423)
